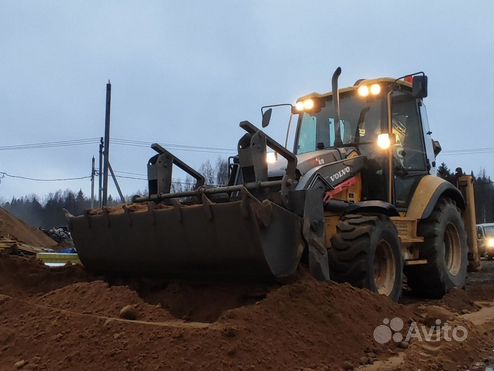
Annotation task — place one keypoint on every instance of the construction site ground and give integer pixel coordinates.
(65, 319)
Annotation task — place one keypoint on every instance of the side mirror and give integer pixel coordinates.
(419, 86)
(436, 147)
(266, 117)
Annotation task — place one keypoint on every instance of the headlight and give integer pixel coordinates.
(383, 141)
(490, 242)
(299, 106)
(270, 157)
(375, 89)
(305, 105)
(365, 90)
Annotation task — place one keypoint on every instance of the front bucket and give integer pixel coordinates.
(241, 238)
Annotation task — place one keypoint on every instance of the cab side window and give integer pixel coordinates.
(409, 147)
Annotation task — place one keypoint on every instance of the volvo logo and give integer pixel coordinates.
(340, 174)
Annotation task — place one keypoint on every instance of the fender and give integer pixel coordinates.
(377, 206)
(428, 192)
(373, 206)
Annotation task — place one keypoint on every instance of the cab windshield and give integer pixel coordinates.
(360, 123)
(489, 230)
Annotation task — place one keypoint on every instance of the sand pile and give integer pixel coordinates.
(12, 227)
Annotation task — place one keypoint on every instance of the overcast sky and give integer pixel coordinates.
(187, 72)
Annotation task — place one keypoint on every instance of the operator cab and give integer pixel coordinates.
(363, 127)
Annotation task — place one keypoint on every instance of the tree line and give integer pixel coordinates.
(483, 189)
(50, 212)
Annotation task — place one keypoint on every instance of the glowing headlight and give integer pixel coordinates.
(363, 91)
(270, 157)
(308, 104)
(299, 106)
(375, 89)
(383, 141)
(305, 105)
(490, 242)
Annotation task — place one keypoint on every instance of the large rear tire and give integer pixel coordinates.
(445, 248)
(365, 252)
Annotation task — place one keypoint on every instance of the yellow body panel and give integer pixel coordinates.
(465, 184)
(422, 196)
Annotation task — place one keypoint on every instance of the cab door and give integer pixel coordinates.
(410, 161)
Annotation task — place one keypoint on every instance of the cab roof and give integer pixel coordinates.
(380, 80)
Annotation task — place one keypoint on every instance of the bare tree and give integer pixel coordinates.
(207, 171)
(221, 171)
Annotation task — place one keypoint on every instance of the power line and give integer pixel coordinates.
(185, 146)
(176, 181)
(477, 151)
(173, 146)
(62, 143)
(179, 147)
(471, 149)
(116, 141)
(4, 174)
(129, 172)
(129, 177)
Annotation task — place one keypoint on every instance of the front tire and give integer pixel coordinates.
(366, 253)
(445, 248)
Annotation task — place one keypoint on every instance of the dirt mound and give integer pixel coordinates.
(445, 355)
(23, 276)
(313, 324)
(299, 325)
(482, 292)
(16, 228)
(459, 301)
(54, 322)
(98, 298)
(203, 302)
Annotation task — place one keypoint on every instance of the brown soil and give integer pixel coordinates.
(202, 302)
(64, 319)
(98, 298)
(12, 227)
(460, 301)
(482, 291)
(24, 276)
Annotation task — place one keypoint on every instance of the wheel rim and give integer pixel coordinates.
(452, 249)
(384, 268)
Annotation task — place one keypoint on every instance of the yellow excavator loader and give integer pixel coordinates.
(356, 200)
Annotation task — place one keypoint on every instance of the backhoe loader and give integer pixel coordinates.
(356, 200)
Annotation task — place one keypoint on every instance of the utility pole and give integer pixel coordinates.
(93, 170)
(107, 143)
(100, 173)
